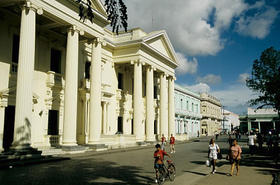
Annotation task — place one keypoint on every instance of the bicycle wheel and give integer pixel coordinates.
(171, 172)
(162, 175)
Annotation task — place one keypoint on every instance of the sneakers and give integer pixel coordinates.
(156, 181)
(213, 172)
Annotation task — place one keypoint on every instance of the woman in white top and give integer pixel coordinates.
(213, 154)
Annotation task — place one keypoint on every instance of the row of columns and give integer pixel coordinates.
(167, 125)
(23, 114)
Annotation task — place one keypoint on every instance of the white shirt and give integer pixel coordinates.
(251, 139)
(213, 151)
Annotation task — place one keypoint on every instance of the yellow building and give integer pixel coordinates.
(210, 108)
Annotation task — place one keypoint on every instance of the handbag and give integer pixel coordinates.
(220, 156)
(207, 163)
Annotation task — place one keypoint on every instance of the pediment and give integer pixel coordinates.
(98, 6)
(161, 43)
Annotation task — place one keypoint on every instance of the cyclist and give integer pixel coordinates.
(159, 157)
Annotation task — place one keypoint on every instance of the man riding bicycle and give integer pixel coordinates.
(159, 157)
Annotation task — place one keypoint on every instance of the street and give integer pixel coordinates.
(129, 167)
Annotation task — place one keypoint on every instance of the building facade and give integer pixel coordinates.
(187, 113)
(230, 121)
(262, 120)
(68, 82)
(210, 108)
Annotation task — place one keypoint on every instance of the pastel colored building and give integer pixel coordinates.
(67, 82)
(211, 114)
(263, 120)
(230, 121)
(187, 113)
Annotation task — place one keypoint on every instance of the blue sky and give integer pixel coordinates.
(216, 41)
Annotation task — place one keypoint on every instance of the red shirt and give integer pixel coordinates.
(159, 156)
(172, 140)
(163, 139)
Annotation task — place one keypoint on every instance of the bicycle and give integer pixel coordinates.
(168, 172)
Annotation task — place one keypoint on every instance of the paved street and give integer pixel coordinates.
(129, 167)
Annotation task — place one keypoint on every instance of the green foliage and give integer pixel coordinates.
(115, 9)
(265, 79)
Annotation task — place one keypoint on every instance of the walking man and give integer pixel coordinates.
(172, 144)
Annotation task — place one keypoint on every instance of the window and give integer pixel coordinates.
(155, 126)
(181, 104)
(53, 122)
(15, 51)
(192, 107)
(132, 127)
(187, 105)
(87, 70)
(120, 125)
(155, 92)
(55, 60)
(120, 81)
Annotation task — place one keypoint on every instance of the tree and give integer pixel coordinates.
(115, 9)
(265, 79)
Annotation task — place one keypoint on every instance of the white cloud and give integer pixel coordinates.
(186, 22)
(195, 26)
(258, 25)
(235, 97)
(243, 77)
(210, 79)
(198, 88)
(185, 65)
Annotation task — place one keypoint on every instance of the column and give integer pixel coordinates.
(249, 126)
(150, 112)
(137, 100)
(23, 112)
(104, 120)
(95, 94)
(171, 112)
(259, 126)
(163, 106)
(71, 88)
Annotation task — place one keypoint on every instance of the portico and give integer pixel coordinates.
(92, 86)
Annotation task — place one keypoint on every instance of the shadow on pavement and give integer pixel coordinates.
(78, 172)
(197, 173)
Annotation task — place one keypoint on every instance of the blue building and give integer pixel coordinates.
(187, 113)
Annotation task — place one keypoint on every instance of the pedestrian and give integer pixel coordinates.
(235, 157)
(198, 133)
(251, 142)
(260, 141)
(172, 144)
(217, 135)
(229, 140)
(213, 154)
(163, 142)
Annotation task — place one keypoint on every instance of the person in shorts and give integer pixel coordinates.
(159, 157)
(235, 157)
(172, 144)
(213, 151)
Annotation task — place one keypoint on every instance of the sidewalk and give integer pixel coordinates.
(254, 170)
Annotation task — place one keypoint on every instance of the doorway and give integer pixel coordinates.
(9, 124)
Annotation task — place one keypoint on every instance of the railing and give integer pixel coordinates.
(54, 140)
(54, 79)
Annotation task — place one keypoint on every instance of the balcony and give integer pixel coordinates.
(54, 79)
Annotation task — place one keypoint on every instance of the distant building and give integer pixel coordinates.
(261, 119)
(230, 121)
(211, 114)
(187, 113)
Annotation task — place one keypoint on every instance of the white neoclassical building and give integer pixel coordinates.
(67, 82)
